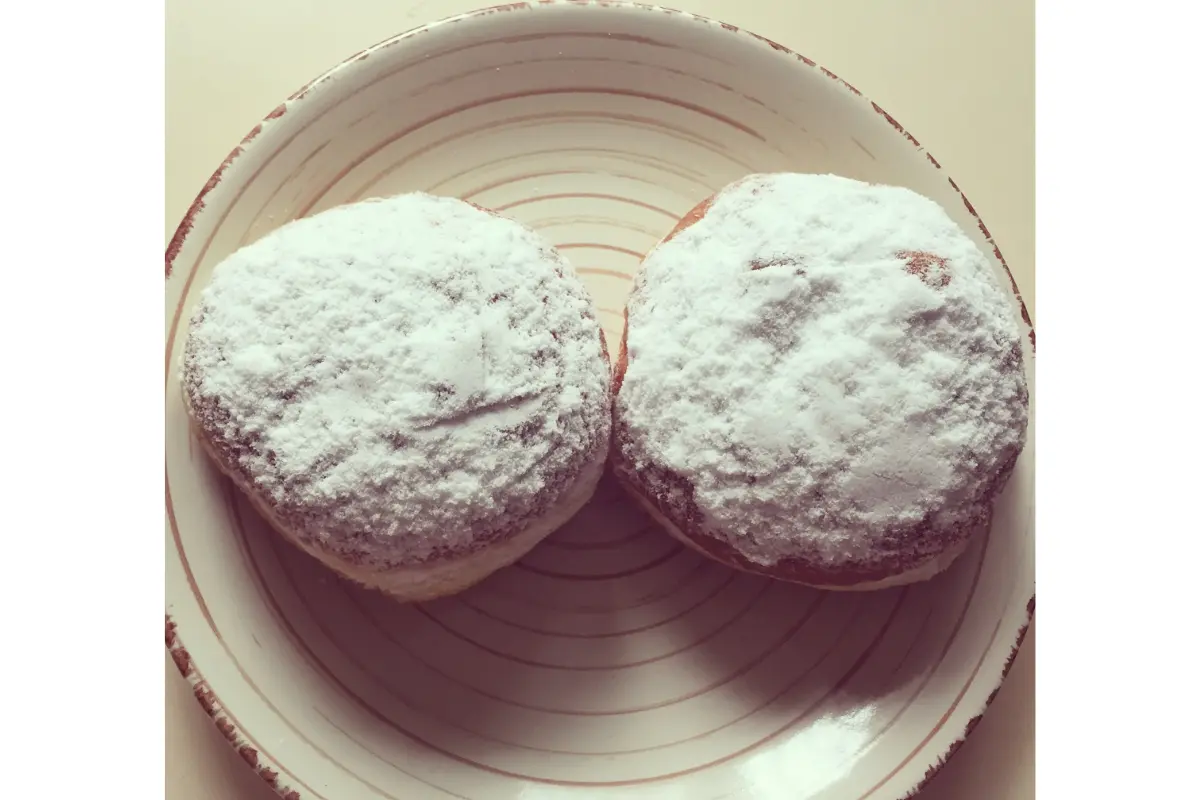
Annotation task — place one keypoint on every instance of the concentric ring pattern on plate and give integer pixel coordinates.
(610, 662)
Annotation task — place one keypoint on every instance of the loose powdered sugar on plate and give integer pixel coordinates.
(400, 379)
(826, 362)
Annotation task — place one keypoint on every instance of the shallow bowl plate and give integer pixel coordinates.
(611, 662)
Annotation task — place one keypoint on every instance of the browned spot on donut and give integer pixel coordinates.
(929, 268)
(481, 208)
(698, 212)
(691, 218)
(622, 362)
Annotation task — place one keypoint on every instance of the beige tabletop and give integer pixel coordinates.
(959, 76)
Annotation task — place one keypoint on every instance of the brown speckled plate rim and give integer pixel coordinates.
(222, 718)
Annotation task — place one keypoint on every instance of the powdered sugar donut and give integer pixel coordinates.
(413, 390)
(820, 381)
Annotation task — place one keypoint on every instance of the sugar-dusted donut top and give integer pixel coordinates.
(400, 379)
(828, 367)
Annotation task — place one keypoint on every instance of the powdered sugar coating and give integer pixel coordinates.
(828, 366)
(400, 379)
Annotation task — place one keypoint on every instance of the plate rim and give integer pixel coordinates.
(267, 768)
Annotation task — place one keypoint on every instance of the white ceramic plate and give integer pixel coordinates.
(611, 662)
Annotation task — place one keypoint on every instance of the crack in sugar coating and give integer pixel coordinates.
(400, 380)
(821, 370)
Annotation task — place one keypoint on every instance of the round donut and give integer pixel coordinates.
(821, 381)
(413, 390)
